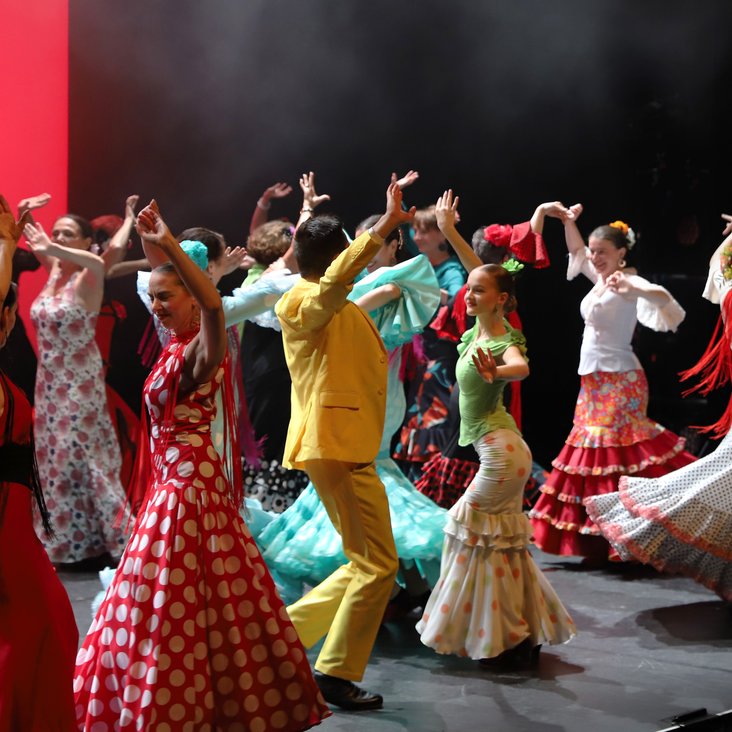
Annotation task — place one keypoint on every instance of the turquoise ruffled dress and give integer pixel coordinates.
(301, 546)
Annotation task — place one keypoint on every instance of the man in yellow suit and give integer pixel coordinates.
(338, 365)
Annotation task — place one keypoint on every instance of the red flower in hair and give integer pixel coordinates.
(498, 234)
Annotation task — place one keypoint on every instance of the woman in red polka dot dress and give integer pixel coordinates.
(491, 603)
(191, 634)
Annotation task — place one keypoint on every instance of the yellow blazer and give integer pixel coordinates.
(338, 365)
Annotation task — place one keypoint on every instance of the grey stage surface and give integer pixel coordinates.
(649, 647)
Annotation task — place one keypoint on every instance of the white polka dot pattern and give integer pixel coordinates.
(680, 522)
(191, 633)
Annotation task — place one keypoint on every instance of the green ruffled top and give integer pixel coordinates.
(481, 404)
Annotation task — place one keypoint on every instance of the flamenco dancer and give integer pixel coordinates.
(78, 452)
(334, 435)
(612, 436)
(447, 474)
(191, 632)
(301, 545)
(491, 603)
(682, 521)
(38, 635)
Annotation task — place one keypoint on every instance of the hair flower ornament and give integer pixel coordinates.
(627, 232)
(512, 266)
(196, 251)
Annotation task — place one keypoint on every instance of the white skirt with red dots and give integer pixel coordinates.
(491, 596)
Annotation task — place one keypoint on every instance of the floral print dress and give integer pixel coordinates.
(76, 446)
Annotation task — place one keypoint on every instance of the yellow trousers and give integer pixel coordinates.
(348, 606)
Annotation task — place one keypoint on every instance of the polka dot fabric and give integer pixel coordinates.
(191, 634)
(491, 595)
(680, 522)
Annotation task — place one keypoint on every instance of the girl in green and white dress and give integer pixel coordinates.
(491, 603)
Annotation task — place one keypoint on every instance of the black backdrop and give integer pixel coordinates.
(619, 104)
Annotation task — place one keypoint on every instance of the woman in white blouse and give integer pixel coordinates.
(682, 522)
(612, 436)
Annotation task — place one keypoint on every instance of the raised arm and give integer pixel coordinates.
(154, 254)
(25, 213)
(379, 296)
(553, 209)
(574, 239)
(446, 213)
(117, 248)
(210, 347)
(260, 215)
(310, 201)
(128, 267)
(40, 243)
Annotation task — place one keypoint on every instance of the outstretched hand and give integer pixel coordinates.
(130, 205)
(394, 208)
(485, 364)
(406, 180)
(572, 213)
(31, 204)
(310, 197)
(10, 228)
(619, 282)
(151, 227)
(446, 211)
(277, 190)
(556, 209)
(37, 239)
(233, 259)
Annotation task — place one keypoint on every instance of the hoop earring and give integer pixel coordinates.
(622, 263)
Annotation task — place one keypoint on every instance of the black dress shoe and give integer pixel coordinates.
(345, 694)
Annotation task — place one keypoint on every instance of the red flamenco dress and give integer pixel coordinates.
(191, 634)
(38, 635)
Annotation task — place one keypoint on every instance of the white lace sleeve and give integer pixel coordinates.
(660, 319)
(579, 263)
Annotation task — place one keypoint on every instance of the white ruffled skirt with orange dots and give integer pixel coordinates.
(491, 596)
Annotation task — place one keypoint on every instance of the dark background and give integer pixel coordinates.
(619, 104)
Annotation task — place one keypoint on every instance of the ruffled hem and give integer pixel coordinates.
(302, 545)
(560, 520)
(489, 601)
(635, 537)
(626, 459)
(698, 539)
(495, 531)
(633, 550)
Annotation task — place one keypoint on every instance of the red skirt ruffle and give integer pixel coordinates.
(560, 520)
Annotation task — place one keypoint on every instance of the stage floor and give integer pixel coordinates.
(649, 646)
